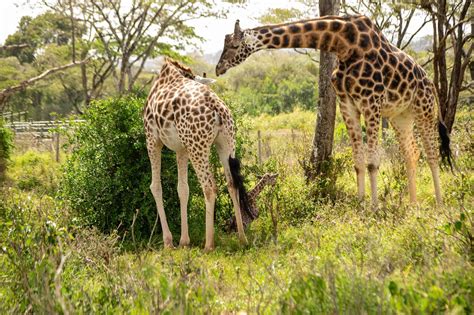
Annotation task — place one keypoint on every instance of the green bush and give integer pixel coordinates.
(6, 145)
(107, 177)
(32, 240)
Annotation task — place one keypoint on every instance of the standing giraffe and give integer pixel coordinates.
(188, 118)
(374, 78)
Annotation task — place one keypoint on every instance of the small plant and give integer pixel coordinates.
(6, 146)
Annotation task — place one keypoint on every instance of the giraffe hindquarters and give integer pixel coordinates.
(154, 147)
(403, 125)
(226, 151)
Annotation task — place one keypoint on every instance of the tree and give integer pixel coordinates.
(34, 33)
(326, 110)
(126, 34)
(449, 21)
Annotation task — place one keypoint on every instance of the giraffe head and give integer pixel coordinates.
(268, 179)
(237, 47)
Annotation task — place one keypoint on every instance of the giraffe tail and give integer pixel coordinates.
(444, 148)
(238, 181)
(445, 141)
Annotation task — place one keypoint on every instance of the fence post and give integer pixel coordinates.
(57, 146)
(259, 152)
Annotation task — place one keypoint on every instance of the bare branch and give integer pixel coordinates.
(5, 93)
(17, 46)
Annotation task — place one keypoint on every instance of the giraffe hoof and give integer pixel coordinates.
(184, 243)
(168, 244)
(208, 249)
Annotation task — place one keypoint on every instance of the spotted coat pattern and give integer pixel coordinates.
(373, 79)
(188, 118)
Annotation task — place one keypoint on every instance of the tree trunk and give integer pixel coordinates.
(448, 88)
(326, 112)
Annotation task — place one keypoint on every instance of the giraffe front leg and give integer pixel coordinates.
(403, 125)
(154, 153)
(200, 161)
(351, 116)
(372, 120)
(183, 193)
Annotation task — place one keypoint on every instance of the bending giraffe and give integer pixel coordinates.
(188, 118)
(373, 79)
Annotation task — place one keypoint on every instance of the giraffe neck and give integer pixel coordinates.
(253, 194)
(334, 34)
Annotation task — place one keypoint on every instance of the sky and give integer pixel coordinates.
(211, 29)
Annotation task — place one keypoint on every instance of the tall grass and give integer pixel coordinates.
(306, 255)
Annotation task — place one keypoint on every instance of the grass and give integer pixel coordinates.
(334, 256)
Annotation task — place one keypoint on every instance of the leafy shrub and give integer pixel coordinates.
(32, 236)
(108, 175)
(6, 145)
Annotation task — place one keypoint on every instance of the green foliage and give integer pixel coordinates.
(44, 29)
(279, 15)
(32, 234)
(272, 83)
(6, 146)
(316, 257)
(108, 175)
(34, 171)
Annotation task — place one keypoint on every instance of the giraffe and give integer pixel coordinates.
(187, 117)
(373, 78)
(268, 179)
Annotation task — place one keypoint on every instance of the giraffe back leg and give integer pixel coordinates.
(183, 193)
(351, 116)
(200, 161)
(427, 123)
(154, 146)
(226, 148)
(403, 125)
(372, 123)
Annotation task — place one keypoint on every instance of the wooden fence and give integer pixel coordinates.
(40, 133)
(41, 127)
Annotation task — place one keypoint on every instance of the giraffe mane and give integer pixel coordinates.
(180, 66)
(334, 17)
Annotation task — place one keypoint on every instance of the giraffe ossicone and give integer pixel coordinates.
(188, 118)
(373, 79)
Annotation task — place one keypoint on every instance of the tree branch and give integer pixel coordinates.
(18, 46)
(5, 93)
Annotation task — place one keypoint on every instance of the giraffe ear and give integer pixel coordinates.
(205, 81)
(237, 31)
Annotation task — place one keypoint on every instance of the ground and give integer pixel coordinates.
(304, 256)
